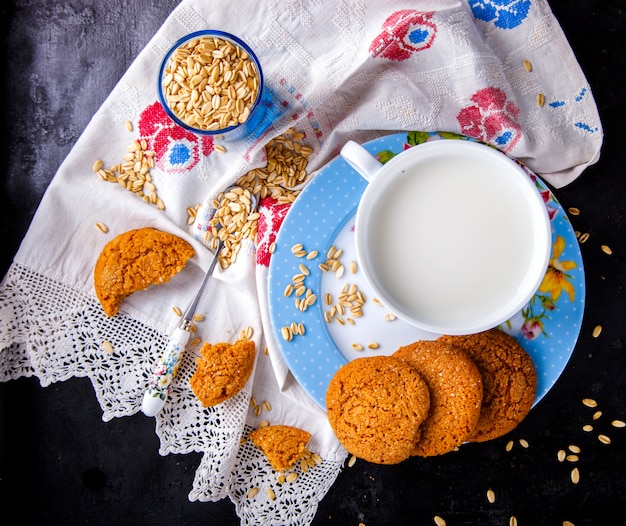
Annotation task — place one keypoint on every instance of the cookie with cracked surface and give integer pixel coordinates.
(456, 393)
(282, 445)
(133, 261)
(375, 406)
(222, 371)
(509, 380)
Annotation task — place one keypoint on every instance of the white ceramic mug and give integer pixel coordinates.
(451, 235)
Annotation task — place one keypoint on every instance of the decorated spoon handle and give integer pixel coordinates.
(161, 379)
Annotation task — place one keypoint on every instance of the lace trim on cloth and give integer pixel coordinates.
(261, 497)
(54, 332)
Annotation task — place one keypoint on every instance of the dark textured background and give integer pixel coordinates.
(60, 464)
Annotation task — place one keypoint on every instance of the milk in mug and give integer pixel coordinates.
(450, 240)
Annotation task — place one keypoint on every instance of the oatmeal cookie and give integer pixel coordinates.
(282, 445)
(133, 261)
(509, 380)
(376, 406)
(456, 392)
(222, 371)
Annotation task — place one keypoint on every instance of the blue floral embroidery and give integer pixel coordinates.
(503, 140)
(585, 127)
(179, 154)
(505, 14)
(568, 106)
(418, 36)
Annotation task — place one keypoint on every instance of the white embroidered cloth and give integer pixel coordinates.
(335, 70)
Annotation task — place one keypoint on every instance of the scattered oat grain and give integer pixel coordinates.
(587, 428)
(286, 333)
(618, 423)
(439, 521)
(528, 66)
(291, 477)
(596, 415)
(107, 347)
(560, 455)
(575, 476)
(583, 237)
(219, 148)
(491, 496)
(573, 448)
(252, 492)
(606, 249)
(596, 331)
(102, 227)
(573, 211)
(129, 125)
(351, 461)
(271, 494)
(509, 445)
(572, 458)
(524, 443)
(590, 402)
(177, 311)
(541, 99)
(513, 521)
(568, 523)
(604, 439)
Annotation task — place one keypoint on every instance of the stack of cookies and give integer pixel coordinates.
(430, 397)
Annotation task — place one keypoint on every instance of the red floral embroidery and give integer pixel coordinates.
(272, 215)
(404, 33)
(176, 150)
(491, 119)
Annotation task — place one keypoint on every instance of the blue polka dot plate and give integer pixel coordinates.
(323, 313)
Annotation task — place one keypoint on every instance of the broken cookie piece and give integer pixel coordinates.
(222, 371)
(135, 260)
(282, 445)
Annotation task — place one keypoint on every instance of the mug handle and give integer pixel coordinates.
(361, 160)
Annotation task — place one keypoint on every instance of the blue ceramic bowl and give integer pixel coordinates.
(243, 125)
